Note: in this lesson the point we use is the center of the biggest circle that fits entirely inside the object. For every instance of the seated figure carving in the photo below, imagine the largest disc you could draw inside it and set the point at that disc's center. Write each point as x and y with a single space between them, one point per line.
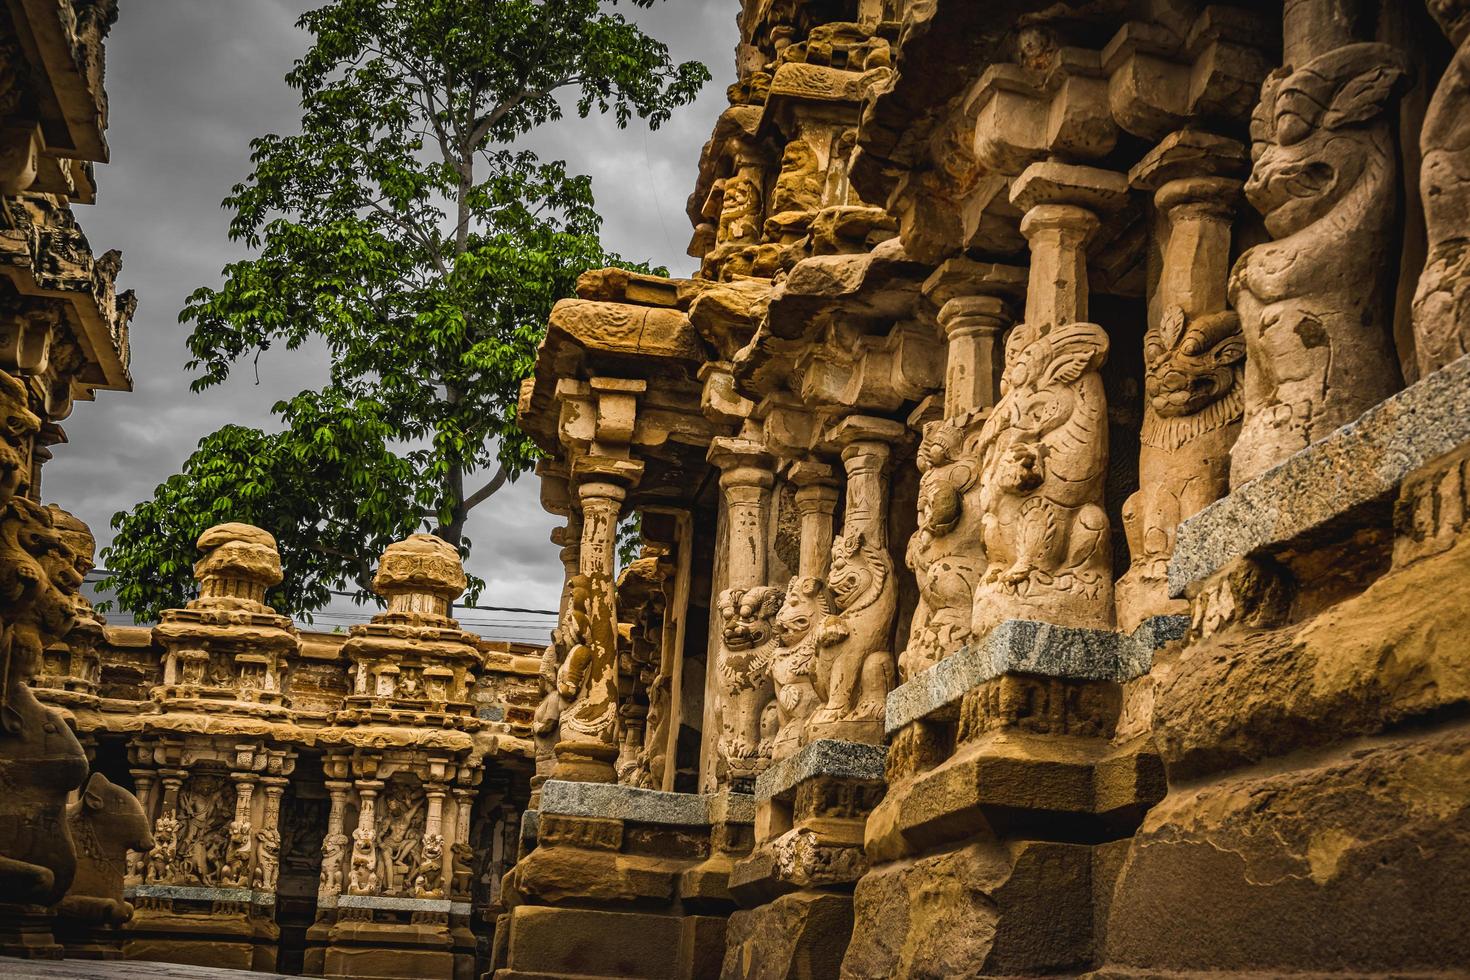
1044 452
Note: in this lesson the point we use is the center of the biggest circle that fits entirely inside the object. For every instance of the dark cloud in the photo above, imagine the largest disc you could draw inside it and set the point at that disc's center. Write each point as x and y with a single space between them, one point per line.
191 84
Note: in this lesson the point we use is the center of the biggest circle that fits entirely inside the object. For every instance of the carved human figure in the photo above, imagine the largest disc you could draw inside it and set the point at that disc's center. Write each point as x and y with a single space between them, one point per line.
109 826
855 667
1442 300
740 212
403 820
204 818
944 552
163 857
1313 302
794 661
267 860
747 640
1044 459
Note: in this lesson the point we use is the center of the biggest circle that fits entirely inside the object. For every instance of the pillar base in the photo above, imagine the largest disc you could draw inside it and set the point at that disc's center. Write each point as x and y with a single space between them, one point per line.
364 949
25 931
655 864
796 885
585 762
1009 806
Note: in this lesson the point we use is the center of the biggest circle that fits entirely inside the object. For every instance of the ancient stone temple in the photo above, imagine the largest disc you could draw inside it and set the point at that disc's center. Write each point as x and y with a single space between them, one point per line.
64 826
1052 487
1052 494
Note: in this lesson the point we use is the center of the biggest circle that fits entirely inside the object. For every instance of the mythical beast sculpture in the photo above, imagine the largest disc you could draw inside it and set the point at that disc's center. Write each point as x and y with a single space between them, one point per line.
1044 457
748 637
1314 303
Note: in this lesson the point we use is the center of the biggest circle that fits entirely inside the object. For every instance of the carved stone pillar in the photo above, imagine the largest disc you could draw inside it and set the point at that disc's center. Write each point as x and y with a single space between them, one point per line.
740 687
816 501
1194 361
462 854
334 842
144 781
363 879
1047 540
746 480
858 643
589 675
973 328
268 838
244 794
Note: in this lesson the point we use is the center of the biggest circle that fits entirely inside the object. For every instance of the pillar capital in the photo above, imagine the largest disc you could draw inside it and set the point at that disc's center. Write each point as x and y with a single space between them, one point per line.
605 476
742 462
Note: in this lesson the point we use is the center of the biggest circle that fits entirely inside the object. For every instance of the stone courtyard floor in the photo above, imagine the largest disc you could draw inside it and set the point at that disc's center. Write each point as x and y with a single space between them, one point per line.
14 969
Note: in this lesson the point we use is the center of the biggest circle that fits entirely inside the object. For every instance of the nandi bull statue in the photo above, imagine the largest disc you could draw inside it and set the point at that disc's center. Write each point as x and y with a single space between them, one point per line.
1314 303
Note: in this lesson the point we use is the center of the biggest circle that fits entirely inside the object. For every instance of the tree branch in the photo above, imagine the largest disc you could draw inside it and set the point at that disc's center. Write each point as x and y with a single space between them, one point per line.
488 490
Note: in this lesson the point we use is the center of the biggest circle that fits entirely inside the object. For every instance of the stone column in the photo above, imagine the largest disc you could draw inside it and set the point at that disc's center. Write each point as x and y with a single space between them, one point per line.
143 782
461 853
859 645
734 693
434 793
1194 361
1048 543
816 501
362 878
244 794
334 843
172 781
589 676
975 356
268 838
746 480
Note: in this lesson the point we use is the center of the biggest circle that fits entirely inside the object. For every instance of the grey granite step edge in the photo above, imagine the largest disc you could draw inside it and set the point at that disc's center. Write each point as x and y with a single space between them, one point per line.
1352 467
609 801
1020 646
824 757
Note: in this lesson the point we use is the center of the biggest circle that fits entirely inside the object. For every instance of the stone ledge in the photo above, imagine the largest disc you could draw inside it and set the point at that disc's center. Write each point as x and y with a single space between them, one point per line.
200 893
1356 466
612 802
390 903
824 757
1019 646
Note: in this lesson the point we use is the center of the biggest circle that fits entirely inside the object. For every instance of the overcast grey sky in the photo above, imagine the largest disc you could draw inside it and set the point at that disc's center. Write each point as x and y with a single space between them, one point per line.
191 82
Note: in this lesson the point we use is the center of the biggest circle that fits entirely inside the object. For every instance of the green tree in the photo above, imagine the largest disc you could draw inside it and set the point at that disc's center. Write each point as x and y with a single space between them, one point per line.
406 228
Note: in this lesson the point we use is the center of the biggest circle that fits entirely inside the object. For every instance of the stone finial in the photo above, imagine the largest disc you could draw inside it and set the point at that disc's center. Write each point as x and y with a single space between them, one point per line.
420 574
240 562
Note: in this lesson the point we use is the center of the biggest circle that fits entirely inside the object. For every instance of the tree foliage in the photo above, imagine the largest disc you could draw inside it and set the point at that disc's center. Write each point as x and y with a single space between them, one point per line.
406 228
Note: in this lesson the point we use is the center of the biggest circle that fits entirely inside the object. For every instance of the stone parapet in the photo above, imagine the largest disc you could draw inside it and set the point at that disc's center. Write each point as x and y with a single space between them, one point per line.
1330 484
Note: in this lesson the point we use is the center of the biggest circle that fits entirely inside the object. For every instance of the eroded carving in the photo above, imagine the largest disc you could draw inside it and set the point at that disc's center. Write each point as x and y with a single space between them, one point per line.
748 640
1044 452
1313 302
